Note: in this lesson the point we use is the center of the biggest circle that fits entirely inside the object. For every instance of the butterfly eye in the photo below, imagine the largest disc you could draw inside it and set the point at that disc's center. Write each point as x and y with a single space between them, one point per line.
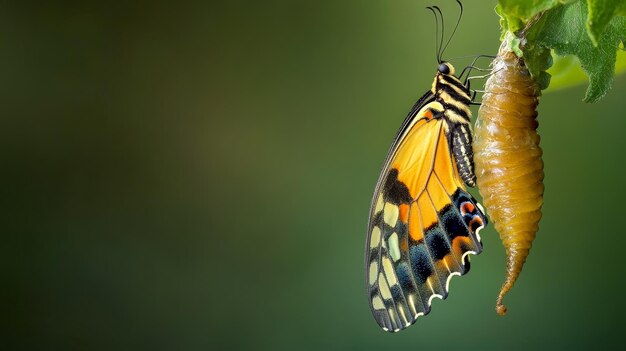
444 68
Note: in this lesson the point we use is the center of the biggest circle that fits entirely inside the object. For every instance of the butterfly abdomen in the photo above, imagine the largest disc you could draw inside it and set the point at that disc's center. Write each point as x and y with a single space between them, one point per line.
509 168
464 155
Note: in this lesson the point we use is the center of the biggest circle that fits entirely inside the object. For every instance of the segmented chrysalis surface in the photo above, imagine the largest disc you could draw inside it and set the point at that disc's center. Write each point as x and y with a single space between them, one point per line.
507 156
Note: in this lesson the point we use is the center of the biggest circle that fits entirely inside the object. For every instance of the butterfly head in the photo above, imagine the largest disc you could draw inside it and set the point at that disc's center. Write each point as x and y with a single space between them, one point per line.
445 75
445 68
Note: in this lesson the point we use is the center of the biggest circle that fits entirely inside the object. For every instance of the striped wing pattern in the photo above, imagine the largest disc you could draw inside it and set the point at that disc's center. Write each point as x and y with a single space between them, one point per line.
423 224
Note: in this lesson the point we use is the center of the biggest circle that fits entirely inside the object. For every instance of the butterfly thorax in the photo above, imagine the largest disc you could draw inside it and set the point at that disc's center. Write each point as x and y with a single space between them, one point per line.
454 96
451 100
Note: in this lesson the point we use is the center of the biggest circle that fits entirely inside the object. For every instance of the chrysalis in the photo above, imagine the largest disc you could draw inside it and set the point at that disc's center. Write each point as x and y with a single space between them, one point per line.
509 169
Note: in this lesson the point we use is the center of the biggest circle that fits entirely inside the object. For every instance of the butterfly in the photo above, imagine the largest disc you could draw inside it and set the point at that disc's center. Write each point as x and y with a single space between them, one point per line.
423 223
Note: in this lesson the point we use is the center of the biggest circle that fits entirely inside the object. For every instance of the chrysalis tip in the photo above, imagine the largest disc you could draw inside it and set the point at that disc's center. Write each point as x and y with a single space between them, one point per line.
501 309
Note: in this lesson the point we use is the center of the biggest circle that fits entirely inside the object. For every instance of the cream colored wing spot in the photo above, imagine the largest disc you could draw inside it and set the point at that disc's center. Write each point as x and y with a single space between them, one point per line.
377 303
466 255
389 273
482 209
430 299
478 233
394 247
384 287
373 272
391 213
375 237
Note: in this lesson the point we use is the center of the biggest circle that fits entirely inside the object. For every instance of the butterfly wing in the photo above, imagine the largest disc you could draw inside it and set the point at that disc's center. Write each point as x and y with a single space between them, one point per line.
423 222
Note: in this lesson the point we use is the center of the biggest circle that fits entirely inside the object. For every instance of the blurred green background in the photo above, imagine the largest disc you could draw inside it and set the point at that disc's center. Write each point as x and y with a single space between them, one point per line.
198 175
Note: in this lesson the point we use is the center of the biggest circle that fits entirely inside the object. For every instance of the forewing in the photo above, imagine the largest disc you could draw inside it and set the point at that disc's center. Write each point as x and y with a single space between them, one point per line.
423 224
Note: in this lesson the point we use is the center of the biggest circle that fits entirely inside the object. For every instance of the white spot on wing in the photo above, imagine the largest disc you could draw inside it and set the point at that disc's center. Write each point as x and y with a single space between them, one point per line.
377 303
375 237
391 214
450 278
478 232
373 272
466 255
384 288
394 248
480 207
430 299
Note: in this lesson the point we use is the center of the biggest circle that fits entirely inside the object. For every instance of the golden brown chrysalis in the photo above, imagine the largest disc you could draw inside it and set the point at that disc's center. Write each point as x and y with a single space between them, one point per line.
507 156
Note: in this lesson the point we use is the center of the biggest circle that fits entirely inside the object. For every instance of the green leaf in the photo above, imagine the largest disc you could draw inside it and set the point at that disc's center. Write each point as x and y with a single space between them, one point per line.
566 71
564 31
600 14
591 31
525 9
515 14
538 61
509 21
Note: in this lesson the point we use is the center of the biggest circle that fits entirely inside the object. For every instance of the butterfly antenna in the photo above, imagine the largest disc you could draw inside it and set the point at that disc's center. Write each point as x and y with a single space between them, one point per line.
443 31
455 27
436 33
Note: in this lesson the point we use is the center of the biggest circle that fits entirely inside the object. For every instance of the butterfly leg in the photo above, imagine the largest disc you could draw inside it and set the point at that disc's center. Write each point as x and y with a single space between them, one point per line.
468 79
471 66
468 70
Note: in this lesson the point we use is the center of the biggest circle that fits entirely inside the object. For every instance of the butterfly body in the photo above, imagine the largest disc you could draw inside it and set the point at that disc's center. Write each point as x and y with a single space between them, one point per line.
455 99
423 222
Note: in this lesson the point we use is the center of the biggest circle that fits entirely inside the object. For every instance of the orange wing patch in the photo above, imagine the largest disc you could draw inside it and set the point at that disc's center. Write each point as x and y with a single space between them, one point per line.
415 156
415 223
